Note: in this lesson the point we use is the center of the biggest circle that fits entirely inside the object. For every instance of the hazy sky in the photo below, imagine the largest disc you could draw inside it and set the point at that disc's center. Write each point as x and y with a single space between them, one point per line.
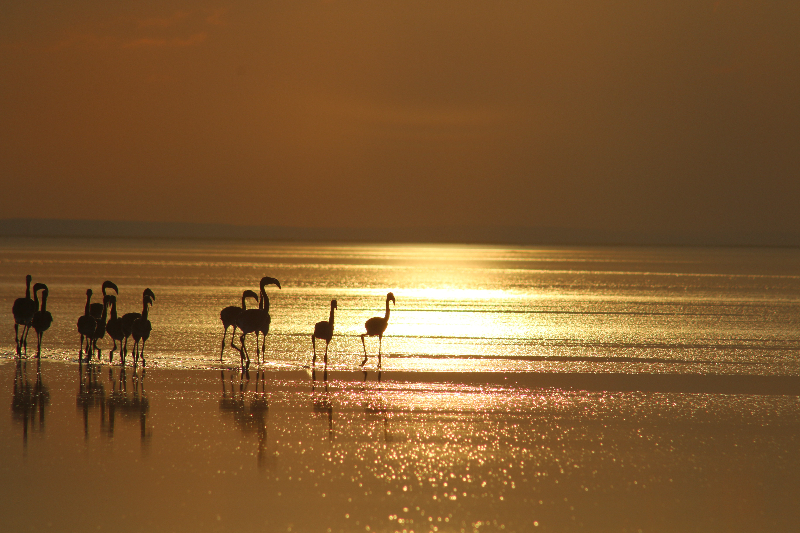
613 115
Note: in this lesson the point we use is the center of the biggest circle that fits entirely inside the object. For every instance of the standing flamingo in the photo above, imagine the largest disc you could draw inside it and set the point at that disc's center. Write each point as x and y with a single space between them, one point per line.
129 318
229 314
99 312
263 305
41 320
254 321
376 326
87 325
114 329
23 310
141 332
323 330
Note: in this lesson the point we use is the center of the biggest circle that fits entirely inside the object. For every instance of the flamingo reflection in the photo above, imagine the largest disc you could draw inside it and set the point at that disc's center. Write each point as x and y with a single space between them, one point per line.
29 400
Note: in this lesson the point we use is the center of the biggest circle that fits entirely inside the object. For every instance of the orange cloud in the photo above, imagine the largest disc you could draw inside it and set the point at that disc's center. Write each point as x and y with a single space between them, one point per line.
192 40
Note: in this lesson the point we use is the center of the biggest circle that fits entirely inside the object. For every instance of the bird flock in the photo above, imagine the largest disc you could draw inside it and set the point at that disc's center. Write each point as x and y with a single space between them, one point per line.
100 319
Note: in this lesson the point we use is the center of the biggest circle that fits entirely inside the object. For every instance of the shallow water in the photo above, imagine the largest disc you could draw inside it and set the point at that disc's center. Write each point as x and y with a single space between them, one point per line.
459 308
95 447
522 389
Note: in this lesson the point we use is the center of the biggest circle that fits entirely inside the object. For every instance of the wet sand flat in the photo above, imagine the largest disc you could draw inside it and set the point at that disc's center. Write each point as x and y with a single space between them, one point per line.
90 447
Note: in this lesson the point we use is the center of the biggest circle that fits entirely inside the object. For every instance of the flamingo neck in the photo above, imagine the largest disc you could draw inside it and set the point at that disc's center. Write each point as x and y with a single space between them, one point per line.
28 288
44 301
244 301
36 300
88 303
331 318
387 309
113 310
144 312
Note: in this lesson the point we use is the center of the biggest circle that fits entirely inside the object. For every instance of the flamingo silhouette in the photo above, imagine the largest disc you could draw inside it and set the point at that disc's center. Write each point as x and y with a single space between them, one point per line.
229 314
323 330
114 329
263 305
23 310
254 321
98 311
87 325
41 319
375 327
129 318
140 330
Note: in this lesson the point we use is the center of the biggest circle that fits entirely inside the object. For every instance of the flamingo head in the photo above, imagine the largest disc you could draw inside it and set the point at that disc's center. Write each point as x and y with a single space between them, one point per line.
110 285
334 304
148 292
390 296
89 293
266 280
38 287
250 294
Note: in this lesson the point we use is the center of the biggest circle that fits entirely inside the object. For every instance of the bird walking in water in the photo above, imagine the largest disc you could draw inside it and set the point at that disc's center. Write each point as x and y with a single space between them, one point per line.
129 318
114 329
99 312
140 330
42 319
263 306
87 326
254 321
229 314
23 310
375 327
323 330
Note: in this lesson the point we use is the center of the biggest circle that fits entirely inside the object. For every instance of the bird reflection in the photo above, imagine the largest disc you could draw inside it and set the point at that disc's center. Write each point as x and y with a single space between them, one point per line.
250 417
29 400
91 394
321 400
114 399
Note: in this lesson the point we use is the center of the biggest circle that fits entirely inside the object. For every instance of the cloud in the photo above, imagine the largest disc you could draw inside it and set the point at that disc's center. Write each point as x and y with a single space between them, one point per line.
149 42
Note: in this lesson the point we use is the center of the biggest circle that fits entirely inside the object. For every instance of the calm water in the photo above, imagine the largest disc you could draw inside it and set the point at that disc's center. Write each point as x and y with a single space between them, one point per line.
651 310
522 389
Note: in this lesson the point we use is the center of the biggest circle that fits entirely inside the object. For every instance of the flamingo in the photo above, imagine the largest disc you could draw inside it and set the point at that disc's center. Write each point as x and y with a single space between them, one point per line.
263 305
229 314
86 324
41 319
323 330
254 321
100 325
140 329
375 327
114 329
23 310
129 318
98 311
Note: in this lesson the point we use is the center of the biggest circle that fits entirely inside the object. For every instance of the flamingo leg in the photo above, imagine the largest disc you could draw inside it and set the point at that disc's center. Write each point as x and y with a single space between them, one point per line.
380 341
222 351
314 350
80 352
365 350
39 345
141 352
326 357
16 337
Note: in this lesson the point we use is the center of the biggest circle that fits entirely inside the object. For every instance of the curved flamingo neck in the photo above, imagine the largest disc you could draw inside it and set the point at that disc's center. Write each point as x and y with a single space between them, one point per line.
44 301
387 310
113 309
36 300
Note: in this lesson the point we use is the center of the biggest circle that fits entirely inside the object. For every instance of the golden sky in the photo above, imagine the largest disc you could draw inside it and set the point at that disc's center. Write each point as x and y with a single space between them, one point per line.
621 115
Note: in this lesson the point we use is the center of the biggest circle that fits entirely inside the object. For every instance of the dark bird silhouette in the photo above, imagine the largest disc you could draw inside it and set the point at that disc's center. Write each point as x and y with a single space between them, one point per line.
254 321
323 330
87 326
100 325
140 330
42 319
375 327
114 329
229 314
98 311
129 318
23 310
263 305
